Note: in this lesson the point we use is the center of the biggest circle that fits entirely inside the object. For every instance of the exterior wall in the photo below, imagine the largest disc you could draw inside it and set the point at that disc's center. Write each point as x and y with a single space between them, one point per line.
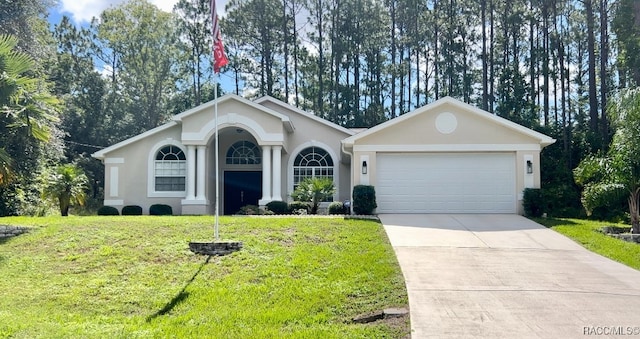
422 129
471 132
131 163
309 132
128 168
198 128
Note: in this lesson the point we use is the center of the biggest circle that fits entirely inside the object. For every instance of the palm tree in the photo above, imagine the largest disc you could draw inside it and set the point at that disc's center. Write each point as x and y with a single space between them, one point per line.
67 184
24 100
6 165
314 191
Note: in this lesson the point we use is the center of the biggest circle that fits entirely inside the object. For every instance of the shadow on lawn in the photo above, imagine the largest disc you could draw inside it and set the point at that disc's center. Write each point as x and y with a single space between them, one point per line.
551 222
180 297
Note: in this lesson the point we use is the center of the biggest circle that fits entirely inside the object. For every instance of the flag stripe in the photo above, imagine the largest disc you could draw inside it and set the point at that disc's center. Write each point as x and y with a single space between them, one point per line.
219 57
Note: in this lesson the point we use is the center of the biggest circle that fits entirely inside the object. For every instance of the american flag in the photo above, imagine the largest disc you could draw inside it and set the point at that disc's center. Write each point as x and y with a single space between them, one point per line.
219 57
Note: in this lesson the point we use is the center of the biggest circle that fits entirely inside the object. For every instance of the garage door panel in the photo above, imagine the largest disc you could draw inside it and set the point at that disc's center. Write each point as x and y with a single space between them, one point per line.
446 183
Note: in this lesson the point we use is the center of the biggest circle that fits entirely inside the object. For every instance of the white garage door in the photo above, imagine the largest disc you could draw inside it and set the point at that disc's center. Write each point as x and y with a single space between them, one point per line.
446 183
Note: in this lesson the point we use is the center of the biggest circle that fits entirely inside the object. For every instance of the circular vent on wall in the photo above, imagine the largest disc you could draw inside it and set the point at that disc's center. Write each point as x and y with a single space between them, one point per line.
446 123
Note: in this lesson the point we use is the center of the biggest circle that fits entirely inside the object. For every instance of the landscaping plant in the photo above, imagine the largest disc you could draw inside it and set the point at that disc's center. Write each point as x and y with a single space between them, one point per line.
314 191
66 184
605 176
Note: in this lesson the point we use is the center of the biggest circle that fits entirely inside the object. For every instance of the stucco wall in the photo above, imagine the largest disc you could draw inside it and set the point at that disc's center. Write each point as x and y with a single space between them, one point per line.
309 132
129 167
131 163
421 132
422 129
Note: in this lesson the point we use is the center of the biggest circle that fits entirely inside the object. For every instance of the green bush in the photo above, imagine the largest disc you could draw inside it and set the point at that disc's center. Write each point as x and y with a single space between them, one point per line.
295 206
336 207
108 210
249 210
314 191
278 207
533 202
364 199
160 209
132 210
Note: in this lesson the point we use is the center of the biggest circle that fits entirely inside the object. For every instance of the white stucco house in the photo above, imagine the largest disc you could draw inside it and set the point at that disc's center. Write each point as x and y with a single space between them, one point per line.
445 157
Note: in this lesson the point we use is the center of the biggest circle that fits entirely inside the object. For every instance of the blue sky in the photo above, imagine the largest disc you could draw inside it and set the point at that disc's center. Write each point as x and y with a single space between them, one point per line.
82 11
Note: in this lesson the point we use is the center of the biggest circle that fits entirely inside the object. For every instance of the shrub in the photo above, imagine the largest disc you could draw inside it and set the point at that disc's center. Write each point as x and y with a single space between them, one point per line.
108 210
364 199
132 210
296 206
533 202
336 207
278 207
160 209
249 210
314 191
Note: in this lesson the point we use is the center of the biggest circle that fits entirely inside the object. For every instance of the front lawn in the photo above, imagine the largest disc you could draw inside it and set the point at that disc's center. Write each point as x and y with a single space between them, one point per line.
134 277
586 233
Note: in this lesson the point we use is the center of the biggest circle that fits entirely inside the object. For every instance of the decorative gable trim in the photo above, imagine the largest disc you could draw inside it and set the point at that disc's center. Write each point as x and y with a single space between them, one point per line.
308 115
544 140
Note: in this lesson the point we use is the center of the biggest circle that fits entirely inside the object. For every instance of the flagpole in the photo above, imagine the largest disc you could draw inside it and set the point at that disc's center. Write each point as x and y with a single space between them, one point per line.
219 60
217 146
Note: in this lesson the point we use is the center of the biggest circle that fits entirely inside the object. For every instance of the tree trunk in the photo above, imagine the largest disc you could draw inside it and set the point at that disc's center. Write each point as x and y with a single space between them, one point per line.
485 85
634 202
63 200
393 58
593 99
604 60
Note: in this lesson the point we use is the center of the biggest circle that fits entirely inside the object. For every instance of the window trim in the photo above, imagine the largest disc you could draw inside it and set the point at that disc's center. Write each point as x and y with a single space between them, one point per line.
233 147
151 178
330 151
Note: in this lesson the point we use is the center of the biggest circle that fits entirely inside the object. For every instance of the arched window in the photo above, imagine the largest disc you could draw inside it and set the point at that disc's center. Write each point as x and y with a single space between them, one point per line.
244 153
170 169
312 162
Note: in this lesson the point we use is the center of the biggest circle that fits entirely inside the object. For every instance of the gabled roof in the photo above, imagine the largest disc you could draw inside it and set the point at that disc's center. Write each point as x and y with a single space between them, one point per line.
227 97
178 118
101 153
308 115
543 139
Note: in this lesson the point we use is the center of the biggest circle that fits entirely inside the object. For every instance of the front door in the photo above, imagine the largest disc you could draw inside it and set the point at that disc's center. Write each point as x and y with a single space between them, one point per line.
241 189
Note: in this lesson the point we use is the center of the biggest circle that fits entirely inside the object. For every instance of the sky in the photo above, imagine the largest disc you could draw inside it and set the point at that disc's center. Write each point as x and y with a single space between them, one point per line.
81 11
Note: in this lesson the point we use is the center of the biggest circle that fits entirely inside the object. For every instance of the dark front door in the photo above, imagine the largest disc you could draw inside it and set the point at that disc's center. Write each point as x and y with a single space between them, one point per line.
241 189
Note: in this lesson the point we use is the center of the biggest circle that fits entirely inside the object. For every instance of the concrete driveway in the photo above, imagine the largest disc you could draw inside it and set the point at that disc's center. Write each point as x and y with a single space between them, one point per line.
504 276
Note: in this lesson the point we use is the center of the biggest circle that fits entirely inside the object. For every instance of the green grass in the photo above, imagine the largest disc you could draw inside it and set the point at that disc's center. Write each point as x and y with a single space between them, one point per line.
585 232
134 277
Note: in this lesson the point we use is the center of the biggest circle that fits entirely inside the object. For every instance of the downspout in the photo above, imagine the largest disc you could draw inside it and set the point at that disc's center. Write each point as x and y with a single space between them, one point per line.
351 175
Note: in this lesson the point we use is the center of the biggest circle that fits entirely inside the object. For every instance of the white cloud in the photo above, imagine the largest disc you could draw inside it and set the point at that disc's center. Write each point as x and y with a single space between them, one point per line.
81 11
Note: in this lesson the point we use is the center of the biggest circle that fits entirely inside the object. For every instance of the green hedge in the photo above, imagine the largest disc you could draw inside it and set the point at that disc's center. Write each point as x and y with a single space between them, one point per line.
533 202
108 210
132 210
364 199
278 207
337 207
299 205
160 209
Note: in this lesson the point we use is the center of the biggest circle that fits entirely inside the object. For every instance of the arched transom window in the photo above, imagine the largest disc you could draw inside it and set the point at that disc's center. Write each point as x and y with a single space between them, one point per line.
244 153
312 162
170 169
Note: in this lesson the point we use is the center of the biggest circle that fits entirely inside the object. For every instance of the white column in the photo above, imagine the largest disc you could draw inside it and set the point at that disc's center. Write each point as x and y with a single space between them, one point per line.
277 172
200 173
266 175
191 172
